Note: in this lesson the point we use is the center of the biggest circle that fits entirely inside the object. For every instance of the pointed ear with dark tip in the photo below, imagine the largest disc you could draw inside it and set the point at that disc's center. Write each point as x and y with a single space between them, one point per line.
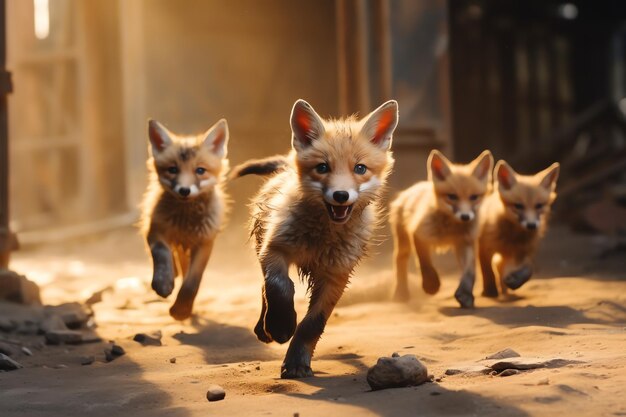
505 175
379 125
159 136
438 166
549 176
482 166
306 125
216 138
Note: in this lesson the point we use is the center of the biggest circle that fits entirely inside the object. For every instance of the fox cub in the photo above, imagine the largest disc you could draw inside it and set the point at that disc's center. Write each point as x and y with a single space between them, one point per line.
512 221
316 212
183 208
438 214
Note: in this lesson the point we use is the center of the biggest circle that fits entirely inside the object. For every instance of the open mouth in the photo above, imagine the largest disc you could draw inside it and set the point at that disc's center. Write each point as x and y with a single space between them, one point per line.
339 214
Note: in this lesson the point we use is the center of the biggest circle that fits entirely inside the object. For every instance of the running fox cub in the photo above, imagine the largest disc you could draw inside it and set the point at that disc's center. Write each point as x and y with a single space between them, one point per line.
316 212
440 213
183 208
512 221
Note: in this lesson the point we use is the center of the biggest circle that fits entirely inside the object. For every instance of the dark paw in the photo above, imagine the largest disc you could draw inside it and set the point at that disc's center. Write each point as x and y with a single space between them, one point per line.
280 317
163 280
260 332
464 297
296 368
491 292
518 278
430 281
181 310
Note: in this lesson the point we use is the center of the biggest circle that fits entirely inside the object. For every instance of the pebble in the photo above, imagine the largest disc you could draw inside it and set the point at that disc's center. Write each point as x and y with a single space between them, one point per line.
113 353
52 323
8 364
215 393
400 371
69 337
27 351
87 360
150 339
172 360
9 349
504 354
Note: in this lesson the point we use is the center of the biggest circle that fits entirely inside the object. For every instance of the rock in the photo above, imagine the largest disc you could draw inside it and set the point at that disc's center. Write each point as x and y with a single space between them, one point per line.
8 364
96 297
18 289
7 325
74 315
9 349
509 372
28 327
395 355
172 360
52 323
27 351
396 372
504 354
468 370
524 363
215 393
90 337
114 352
68 337
87 360
150 339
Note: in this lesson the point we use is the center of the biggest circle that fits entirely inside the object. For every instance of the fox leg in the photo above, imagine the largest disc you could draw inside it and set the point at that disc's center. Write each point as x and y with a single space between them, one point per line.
163 265
191 283
464 293
401 253
516 274
325 294
259 329
490 289
430 278
181 261
279 321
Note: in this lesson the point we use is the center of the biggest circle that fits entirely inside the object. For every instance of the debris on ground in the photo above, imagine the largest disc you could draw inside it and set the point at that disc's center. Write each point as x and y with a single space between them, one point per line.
504 354
8 364
149 339
67 337
397 371
87 360
114 352
215 393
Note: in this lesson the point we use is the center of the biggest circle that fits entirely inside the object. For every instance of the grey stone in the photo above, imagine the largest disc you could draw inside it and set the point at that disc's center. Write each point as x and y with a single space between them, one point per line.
215 393
9 349
504 354
74 315
468 370
69 337
113 353
524 363
27 351
52 323
396 372
8 364
149 339
87 360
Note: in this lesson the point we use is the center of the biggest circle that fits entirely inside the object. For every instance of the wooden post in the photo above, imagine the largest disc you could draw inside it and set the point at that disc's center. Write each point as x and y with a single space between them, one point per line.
8 242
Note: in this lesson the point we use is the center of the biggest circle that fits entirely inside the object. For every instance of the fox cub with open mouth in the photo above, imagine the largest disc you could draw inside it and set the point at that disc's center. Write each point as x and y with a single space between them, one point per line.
183 208
318 212
512 221
438 214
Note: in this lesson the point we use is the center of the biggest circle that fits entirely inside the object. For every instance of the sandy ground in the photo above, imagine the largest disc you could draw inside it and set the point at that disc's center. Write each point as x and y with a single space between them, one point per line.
575 308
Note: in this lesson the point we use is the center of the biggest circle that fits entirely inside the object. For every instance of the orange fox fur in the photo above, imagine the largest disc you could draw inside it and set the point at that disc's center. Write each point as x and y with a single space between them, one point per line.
512 221
440 213
183 208
316 212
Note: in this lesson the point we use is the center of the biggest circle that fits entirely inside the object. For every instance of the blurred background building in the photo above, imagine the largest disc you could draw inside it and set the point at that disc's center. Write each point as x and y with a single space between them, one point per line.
534 80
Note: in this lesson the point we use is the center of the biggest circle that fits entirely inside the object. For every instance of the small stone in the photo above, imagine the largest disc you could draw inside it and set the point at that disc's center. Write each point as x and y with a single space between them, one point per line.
117 350
435 393
52 323
74 315
8 364
504 354
395 355
468 370
9 349
544 381
90 337
215 393
27 351
258 368
524 363
87 360
172 360
68 337
509 372
402 371
150 339
60 366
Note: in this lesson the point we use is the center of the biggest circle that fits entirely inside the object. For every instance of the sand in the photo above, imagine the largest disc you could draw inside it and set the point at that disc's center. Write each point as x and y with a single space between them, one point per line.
575 308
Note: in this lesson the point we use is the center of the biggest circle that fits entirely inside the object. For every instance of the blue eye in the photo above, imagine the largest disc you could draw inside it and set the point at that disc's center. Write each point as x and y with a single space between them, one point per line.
453 197
172 170
200 170
518 206
322 168
360 169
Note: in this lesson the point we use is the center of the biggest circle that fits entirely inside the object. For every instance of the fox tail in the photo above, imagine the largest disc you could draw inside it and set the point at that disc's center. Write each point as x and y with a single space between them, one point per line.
265 166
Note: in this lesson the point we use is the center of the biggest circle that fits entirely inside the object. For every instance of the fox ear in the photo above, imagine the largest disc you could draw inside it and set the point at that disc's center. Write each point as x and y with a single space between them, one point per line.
306 125
159 136
549 176
379 125
505 175
438 166
216 138
482 166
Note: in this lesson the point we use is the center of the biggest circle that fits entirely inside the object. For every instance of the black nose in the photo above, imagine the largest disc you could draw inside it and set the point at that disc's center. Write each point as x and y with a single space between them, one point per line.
531 226
184 191
465 217
341 196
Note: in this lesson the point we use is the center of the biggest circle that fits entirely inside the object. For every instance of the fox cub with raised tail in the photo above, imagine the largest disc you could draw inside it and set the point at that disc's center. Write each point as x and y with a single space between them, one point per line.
183 208
440 213
512 221
317 212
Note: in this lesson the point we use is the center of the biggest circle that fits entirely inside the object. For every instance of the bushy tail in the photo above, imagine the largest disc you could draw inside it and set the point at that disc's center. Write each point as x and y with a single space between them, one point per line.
264 166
